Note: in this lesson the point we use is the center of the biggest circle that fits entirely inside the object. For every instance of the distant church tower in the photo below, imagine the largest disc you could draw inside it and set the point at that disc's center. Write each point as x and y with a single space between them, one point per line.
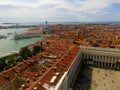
46 23
47 29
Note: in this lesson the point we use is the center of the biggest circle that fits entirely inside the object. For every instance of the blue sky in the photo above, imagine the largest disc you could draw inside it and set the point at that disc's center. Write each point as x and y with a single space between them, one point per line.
59 10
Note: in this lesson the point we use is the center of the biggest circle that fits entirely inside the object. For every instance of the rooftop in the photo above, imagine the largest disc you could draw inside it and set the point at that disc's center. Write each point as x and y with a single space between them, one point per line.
44 68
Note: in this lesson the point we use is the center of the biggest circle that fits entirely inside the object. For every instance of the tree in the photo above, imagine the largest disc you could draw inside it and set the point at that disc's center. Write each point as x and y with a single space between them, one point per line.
37 49
25 52
2 65
44 32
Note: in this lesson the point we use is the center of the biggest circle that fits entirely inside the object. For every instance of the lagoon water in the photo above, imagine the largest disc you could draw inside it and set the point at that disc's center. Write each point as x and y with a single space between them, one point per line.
8 44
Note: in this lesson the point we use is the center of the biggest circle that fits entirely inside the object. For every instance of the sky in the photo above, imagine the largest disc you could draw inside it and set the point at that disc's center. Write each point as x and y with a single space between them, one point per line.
59 10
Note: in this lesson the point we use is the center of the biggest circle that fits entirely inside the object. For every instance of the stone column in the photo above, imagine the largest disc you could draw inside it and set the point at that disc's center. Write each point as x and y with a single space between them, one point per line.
93 57
112 59
108 64
115 66
95 63
87 56
111 65
102 64
118 67
102 57
98 63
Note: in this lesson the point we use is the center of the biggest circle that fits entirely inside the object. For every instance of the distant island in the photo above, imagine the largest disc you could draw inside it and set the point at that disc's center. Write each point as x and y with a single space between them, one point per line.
10 23
18 26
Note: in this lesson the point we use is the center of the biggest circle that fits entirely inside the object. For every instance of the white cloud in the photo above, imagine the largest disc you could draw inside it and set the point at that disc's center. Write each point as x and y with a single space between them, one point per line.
27 3
56 9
